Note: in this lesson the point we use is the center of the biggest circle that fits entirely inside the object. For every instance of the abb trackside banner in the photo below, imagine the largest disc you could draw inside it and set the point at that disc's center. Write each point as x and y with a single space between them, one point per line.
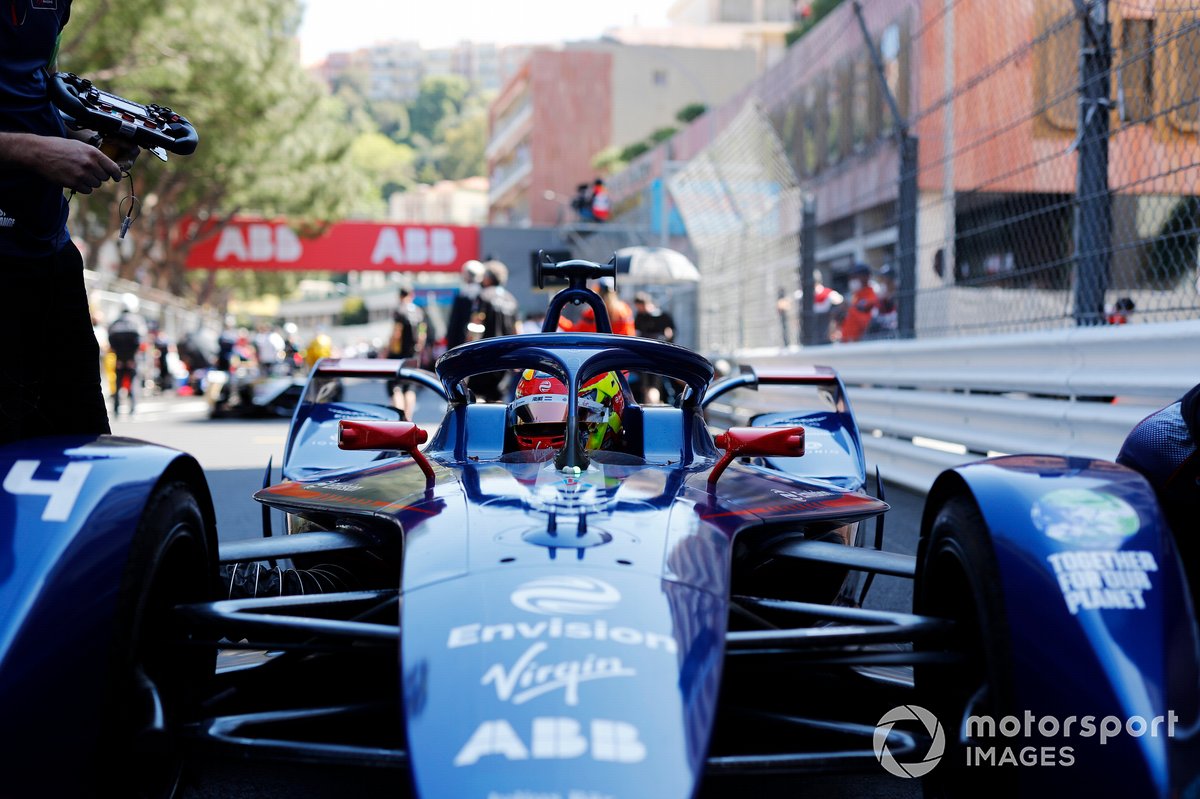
343 247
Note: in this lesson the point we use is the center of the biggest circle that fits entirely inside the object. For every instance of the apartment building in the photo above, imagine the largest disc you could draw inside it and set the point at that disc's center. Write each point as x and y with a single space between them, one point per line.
394 70
566 105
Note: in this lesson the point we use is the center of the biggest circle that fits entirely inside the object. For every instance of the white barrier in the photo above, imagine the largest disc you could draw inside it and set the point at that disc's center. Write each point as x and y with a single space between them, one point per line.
1048 391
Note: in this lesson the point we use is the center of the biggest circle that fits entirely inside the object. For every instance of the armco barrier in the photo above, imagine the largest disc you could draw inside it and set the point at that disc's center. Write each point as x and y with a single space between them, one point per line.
1066 392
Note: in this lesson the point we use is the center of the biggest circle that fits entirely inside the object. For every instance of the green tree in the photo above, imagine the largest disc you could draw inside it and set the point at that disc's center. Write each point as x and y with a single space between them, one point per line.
690 112
272 141
464 144
662 134
391 165
632 151
817 10
440 97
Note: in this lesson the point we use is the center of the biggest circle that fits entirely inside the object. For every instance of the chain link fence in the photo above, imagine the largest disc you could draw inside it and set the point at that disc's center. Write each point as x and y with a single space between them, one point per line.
1054 179
740 201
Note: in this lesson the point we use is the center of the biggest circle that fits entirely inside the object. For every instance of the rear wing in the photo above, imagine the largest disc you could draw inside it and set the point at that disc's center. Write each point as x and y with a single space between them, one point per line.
344 388
812 397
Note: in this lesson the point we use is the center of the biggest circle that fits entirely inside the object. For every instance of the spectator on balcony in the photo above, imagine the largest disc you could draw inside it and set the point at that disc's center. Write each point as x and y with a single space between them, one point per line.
601 203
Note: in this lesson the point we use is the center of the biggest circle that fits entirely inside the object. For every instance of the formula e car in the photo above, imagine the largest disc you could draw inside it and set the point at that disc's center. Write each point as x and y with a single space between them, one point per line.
631 615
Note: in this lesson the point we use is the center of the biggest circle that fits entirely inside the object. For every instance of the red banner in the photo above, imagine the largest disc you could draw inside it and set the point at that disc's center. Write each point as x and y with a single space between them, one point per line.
344 247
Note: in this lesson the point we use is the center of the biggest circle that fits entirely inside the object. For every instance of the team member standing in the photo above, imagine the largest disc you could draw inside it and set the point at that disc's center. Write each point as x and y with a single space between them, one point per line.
650 321
39 394
620 316
409 332
125 337
495 314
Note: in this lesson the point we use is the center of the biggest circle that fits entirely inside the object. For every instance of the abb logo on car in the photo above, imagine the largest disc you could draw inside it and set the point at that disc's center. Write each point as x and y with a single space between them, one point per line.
555 738
347 246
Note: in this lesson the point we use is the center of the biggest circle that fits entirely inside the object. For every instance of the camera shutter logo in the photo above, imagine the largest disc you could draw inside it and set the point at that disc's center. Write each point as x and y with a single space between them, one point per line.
933 729
574 595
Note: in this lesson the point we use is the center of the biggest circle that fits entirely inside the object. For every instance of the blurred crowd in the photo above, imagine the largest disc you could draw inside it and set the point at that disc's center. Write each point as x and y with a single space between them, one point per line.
868 312
139 359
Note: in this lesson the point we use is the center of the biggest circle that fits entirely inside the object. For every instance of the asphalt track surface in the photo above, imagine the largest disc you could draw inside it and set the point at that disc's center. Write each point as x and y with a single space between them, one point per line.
234 454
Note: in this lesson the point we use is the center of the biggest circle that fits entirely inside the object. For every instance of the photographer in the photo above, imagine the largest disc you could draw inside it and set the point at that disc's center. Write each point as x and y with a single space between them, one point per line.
50 385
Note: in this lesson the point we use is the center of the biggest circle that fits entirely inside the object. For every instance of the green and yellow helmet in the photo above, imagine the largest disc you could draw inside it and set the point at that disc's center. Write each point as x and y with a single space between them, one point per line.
539 411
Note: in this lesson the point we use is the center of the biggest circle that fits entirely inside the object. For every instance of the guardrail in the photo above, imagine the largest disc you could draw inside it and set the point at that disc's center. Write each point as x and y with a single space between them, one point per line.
926 405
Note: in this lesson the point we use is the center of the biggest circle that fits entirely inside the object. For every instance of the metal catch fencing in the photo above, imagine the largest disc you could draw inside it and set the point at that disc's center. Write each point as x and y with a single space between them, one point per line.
741 203
1037 166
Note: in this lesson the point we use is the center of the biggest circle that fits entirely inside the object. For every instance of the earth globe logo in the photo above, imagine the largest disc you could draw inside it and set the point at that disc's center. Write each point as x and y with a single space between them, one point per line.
909 714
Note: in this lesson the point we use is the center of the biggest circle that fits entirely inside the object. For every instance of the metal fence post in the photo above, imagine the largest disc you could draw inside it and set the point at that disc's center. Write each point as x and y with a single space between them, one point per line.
808 264
906 239
906 206
1093 202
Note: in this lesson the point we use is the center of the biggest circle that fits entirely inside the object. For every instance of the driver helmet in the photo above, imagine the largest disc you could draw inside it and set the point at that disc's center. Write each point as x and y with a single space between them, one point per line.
538 413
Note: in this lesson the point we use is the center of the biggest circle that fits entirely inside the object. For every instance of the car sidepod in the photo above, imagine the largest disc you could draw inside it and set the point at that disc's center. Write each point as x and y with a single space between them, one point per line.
68 510
1101 627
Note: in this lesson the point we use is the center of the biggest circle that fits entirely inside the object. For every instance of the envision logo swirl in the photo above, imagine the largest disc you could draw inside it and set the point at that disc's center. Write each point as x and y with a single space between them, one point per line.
553 596
933 729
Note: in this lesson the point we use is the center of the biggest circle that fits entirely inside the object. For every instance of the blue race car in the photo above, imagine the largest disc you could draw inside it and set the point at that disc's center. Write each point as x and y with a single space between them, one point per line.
573 595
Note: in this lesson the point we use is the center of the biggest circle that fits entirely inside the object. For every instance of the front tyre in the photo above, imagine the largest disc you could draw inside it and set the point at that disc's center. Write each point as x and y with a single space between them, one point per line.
156 676
958 579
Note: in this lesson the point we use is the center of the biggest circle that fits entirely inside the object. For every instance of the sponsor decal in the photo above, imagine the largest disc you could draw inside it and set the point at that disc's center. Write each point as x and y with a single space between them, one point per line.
6 220
1086 518
61 493
802 496
1091 580
922 765
544 386
556 628
575 595
333 487
554 738
527 678
272 244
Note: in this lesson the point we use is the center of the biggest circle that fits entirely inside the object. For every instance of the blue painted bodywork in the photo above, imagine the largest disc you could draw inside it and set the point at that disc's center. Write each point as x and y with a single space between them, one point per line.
336 390
1099 617
608 683
563 630
60 572
833 450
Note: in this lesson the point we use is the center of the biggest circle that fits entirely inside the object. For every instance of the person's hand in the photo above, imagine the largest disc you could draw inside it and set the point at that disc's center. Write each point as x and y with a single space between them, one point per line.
72 164
122 151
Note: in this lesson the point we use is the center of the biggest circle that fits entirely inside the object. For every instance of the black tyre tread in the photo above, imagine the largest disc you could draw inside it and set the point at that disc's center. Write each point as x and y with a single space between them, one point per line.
959 532
171 503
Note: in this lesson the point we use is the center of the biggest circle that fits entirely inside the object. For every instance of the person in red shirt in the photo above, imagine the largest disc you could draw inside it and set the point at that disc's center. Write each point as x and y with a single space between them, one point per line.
1121 311
601 203
863 305
619 312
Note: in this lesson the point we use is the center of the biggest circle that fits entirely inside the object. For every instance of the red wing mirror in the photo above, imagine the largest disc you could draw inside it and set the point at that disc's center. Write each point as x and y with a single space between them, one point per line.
749 442
405 436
